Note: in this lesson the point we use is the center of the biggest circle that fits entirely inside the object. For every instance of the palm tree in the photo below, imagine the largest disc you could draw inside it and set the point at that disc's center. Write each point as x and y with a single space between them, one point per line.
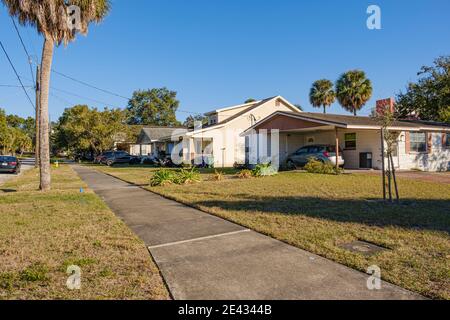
50 18
322 94
353 90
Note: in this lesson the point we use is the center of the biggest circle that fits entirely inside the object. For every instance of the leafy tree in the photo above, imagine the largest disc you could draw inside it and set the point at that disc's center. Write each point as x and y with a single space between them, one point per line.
13 134
429 98
190 121
250 100
322 94
155 107
50 19
299 107
84 130
353 90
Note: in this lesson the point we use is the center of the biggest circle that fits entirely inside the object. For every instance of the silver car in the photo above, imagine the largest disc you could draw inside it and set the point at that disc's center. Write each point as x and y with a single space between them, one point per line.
322 152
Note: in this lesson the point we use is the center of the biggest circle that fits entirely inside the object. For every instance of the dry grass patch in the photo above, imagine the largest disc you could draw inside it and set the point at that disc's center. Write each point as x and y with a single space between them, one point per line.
320 212
41 234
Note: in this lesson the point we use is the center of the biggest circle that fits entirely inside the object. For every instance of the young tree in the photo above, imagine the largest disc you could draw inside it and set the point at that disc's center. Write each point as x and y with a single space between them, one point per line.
50 17
153 107
322 94
353 90
429 98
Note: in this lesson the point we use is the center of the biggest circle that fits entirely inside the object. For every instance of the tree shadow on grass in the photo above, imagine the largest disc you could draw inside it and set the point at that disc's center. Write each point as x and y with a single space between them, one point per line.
409 213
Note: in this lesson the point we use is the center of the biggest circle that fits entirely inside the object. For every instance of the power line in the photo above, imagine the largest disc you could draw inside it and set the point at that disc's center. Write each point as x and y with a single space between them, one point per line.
17 75
89 85
13 86
30 61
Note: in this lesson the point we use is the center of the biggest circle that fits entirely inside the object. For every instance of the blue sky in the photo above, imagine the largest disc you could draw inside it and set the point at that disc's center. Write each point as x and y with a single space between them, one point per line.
217 53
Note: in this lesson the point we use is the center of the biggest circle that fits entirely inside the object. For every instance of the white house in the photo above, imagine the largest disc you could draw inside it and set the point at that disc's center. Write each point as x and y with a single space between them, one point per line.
221 141
420 145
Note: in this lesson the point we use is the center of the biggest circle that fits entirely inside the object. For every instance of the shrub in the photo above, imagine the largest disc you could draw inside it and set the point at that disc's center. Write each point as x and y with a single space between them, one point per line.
218 175
262 170
185 176
35 272
162 177
245 174
316 166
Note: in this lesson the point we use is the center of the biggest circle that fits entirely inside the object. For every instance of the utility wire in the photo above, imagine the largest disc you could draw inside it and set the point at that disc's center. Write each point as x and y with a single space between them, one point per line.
17 75
89 85
30 60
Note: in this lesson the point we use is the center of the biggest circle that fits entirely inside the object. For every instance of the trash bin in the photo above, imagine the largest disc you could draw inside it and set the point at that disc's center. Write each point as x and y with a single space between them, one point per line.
365 160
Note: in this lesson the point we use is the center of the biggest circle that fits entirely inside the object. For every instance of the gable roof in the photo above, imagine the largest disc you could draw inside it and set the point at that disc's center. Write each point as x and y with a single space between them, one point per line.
151 134
252 106
358 122
232 107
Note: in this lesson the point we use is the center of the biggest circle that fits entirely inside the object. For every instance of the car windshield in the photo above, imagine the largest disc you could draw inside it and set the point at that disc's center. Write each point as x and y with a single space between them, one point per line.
7 159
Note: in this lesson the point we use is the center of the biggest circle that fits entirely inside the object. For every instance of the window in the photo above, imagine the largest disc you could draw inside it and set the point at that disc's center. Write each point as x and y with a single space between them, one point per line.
447 140
350 141
418 142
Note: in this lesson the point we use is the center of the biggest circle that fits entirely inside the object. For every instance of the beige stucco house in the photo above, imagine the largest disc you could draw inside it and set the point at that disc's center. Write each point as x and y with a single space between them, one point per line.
221 142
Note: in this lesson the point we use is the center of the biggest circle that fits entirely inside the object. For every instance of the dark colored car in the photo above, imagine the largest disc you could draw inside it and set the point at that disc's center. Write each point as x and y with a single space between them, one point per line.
322 152
9 164
111 158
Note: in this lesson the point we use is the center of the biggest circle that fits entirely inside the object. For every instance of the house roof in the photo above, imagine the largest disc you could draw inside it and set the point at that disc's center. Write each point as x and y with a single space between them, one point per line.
358 122
251 106
232 107
151 134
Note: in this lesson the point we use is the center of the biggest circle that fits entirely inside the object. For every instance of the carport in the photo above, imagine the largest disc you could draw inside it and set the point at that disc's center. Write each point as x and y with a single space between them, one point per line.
296 131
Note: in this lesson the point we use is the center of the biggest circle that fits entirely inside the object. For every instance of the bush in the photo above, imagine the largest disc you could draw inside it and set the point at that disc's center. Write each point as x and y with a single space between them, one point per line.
262 170
316 166
185 176
162 177
245 174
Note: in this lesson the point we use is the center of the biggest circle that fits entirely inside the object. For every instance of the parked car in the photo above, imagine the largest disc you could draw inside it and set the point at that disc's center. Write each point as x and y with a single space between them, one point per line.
98 159
111 158
324 153
9 164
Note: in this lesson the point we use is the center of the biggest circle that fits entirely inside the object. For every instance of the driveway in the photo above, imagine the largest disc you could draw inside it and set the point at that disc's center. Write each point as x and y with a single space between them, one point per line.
204 257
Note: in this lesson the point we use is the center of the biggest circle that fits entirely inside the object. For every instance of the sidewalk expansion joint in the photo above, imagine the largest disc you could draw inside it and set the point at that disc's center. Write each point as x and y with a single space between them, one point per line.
197 239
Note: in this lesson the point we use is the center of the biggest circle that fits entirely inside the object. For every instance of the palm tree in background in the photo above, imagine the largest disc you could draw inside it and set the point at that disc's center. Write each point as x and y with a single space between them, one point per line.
51 19
353 90
322 94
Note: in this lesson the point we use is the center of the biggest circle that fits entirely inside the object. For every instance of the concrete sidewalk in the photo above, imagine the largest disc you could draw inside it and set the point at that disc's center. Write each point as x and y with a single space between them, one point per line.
205 257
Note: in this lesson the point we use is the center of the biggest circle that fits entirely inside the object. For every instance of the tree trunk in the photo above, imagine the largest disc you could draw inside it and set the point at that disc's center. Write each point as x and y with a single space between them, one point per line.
324 109
44 143
354 112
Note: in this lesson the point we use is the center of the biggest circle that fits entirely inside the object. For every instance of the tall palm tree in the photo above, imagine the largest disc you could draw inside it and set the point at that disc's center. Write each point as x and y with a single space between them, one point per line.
322 94
353 90
50 18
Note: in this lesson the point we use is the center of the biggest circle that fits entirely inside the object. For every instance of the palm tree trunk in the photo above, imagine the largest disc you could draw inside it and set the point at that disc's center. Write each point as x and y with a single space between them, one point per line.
46 67
324 109
354 112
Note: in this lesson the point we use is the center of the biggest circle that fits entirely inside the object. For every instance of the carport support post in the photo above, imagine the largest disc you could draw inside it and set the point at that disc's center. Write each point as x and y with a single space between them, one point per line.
337 150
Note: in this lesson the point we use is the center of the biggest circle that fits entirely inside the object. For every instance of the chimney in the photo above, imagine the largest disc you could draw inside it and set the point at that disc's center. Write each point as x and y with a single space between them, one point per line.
384 105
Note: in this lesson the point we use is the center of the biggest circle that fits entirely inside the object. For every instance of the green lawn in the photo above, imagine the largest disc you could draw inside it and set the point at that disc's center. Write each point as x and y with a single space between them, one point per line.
320 212
41 234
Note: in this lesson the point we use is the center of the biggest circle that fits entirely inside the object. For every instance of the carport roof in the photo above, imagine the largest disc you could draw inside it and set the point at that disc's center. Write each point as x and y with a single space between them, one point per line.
356 122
